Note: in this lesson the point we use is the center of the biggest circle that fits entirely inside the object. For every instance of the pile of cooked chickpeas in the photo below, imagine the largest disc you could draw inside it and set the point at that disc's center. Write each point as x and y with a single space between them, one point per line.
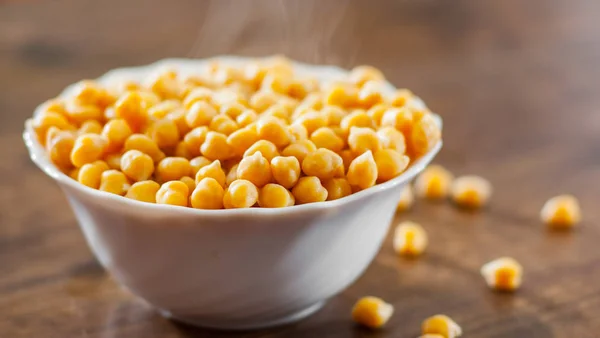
236 137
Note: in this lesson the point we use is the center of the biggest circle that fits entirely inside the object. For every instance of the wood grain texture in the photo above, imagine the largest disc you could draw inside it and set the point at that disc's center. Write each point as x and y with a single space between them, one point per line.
516 82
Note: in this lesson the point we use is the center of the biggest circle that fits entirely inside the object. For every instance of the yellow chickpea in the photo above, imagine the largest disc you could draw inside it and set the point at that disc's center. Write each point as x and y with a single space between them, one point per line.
275 82
334 114
144 144
164 108
561 212
173 193
172 169
215 147
362 173
342 95
337 188
114 181
299 149
279 111
372 312
324 164
164 133
208 194
116 133
200 94
362 74
400 118
200 114
361 140
256 169
400 98
347 156
240 194
442 325
262 100
89 92
312 120
298 132
285 170
471 191
425 135
376 113
199 162
90 127
434 182
391 138
212 170
113 160
132 108
137 165
190 182
274 130
143 191
242 139
390 164
503 274
87 149
410 239
247 117
41 123
357 118
299 88
194 139
370 94
223 124
324 137
275 196
178 117
266 148
181 150
79 113
60 147
309 190
90 174
232 109
166 85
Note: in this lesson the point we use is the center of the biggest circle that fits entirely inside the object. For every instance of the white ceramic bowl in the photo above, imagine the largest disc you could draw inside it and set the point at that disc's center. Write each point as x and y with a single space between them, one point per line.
232 269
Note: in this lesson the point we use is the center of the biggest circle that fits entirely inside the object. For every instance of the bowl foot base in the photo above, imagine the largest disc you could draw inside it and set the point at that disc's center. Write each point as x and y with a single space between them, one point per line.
237 326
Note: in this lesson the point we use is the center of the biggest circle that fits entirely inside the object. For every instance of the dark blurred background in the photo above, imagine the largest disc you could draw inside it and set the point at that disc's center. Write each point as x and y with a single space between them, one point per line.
515 81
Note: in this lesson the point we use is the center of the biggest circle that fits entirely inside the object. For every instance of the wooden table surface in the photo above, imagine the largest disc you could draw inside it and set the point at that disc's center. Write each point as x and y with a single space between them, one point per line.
517 83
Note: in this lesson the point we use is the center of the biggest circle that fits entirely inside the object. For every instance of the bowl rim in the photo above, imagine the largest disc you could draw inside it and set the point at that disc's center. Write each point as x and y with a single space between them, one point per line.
39 156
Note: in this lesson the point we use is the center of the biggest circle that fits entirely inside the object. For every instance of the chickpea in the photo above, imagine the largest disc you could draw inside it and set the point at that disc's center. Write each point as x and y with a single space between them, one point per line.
132 107
390 164
299 149
90 174
60 147
256 169
390 138
441 324
208 194
337 188
324 137
215 147
116 133
503 274
173 193
274 130
312 120
137 165
143 191
212 170
410 239
199 162
471 191
400 98
242 139
90 127
425 135
372 312
240 194
247 117
285 170
324 164
223 124
194 138
561 212
200 114
114 181
144 144
434 182
363 171
275 196
309 190
362 139
173 168
87 149
363 74
357 118
266 148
